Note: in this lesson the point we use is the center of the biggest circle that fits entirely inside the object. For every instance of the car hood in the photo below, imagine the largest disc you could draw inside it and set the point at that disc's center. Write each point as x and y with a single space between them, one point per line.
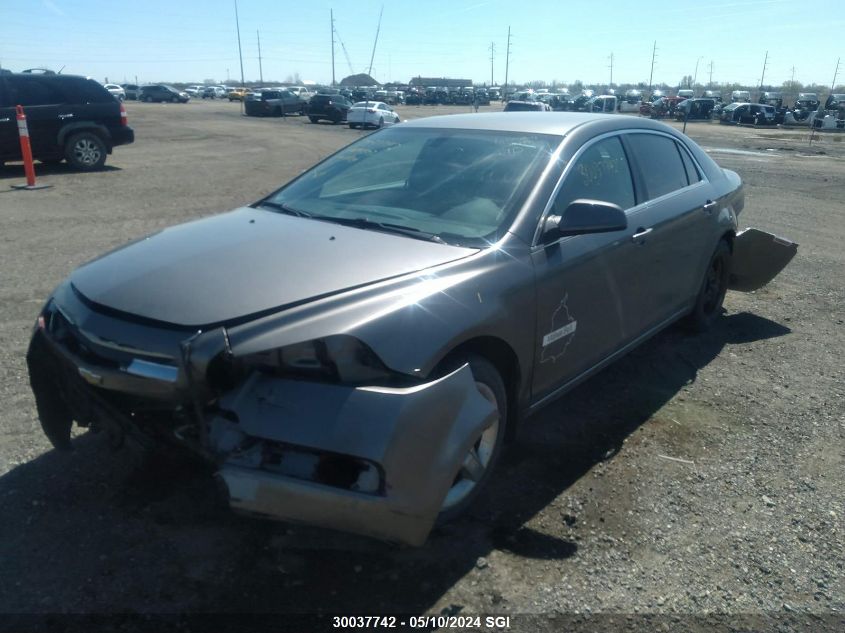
240 265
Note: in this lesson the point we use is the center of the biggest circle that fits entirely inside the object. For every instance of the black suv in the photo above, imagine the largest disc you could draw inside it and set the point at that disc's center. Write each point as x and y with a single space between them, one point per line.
68 117
331 107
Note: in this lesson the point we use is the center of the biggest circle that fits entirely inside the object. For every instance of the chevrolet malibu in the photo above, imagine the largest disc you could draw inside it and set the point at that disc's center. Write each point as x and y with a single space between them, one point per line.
353 350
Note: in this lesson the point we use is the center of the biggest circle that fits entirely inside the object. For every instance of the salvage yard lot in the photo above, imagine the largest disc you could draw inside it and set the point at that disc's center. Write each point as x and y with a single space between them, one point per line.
698 474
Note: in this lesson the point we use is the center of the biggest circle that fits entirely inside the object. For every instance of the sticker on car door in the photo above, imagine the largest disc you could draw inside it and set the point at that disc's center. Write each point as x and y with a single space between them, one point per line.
557 340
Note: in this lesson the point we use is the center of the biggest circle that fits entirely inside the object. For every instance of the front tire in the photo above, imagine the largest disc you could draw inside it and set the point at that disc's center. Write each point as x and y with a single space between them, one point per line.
708 303
482 457
85 151
313 119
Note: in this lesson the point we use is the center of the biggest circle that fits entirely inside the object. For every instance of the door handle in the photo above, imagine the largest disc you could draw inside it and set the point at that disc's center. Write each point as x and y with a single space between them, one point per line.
641 233
66 116
709 206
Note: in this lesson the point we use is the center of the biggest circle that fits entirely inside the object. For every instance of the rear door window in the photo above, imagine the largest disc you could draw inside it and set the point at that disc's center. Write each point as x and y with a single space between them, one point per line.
659 163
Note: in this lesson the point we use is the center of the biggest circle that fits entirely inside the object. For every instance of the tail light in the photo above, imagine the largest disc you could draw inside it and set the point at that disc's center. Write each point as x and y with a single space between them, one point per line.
123 119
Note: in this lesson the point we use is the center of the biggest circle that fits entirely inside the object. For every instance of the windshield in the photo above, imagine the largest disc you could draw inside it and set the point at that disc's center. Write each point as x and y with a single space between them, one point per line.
462 186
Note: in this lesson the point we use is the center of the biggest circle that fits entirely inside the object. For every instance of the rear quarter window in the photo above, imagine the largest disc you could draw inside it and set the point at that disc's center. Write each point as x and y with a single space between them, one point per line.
89 91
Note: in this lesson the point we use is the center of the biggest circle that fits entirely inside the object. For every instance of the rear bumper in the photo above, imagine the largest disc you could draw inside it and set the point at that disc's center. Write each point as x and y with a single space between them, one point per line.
123 135
758 257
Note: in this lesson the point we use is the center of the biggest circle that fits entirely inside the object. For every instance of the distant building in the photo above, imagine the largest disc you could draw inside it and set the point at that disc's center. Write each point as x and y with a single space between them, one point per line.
361 79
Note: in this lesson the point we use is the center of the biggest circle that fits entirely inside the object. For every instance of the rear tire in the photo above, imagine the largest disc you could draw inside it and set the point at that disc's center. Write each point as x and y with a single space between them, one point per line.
481 460
85 151
708 303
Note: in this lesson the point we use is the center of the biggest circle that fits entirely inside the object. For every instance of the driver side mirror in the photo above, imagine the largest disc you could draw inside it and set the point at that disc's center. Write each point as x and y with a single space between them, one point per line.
586 216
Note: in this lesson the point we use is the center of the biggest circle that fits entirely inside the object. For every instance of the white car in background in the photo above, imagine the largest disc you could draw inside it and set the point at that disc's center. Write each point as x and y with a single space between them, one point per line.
375 113
116 91
300 91
195 91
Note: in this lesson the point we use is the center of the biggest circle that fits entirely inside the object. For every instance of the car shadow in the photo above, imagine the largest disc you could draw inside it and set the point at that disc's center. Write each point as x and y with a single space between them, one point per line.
16 170
92 531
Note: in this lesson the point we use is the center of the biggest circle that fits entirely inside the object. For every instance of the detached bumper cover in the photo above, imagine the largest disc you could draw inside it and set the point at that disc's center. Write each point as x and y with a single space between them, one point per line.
417 436
757 258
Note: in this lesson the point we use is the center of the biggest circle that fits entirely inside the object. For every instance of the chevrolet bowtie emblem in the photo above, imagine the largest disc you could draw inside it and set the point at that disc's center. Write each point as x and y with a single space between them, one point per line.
90 377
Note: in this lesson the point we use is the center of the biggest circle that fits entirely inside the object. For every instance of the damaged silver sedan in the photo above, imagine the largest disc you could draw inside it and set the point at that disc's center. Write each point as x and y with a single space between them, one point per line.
353 350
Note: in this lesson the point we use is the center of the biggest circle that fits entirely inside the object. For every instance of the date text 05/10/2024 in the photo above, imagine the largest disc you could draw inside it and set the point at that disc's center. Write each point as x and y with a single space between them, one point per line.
496 622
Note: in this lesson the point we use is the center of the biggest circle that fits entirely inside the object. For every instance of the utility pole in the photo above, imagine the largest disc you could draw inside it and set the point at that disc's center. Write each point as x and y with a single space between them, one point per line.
710 83
695 74
331 14
651 74
240 53
507 65
611 71
378 28
835 73
260 69
492 54
763 75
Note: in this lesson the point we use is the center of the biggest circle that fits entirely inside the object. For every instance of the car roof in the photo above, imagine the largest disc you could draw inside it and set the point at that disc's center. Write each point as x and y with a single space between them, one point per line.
558 123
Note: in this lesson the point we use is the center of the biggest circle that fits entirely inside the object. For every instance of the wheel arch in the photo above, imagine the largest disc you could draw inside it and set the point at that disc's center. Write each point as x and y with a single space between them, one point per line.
86 126
504 359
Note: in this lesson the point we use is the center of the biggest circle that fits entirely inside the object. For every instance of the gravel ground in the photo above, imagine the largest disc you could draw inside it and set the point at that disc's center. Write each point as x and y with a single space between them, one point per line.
698 482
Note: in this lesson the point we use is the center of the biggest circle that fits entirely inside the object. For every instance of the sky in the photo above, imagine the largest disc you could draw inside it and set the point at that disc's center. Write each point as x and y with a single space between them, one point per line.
193 40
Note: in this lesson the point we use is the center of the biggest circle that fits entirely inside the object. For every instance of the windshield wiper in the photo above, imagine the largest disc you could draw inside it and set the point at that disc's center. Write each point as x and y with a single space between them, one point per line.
279 206
364 223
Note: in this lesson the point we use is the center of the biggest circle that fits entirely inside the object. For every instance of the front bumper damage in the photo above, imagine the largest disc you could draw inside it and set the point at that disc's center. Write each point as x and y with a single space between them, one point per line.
376 461
370 460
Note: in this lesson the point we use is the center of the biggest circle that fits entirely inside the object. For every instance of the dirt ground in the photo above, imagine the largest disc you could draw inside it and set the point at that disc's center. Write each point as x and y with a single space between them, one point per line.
697 477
